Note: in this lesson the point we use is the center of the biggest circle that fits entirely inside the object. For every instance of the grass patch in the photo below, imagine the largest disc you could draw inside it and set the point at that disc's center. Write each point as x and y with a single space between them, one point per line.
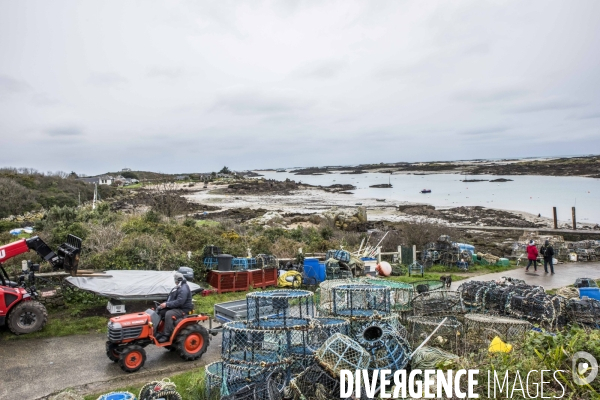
62 323
207 222
427 276
190 385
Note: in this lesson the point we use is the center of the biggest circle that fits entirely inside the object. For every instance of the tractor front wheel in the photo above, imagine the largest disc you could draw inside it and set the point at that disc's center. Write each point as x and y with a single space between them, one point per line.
192 342
132 358
111 352
27 317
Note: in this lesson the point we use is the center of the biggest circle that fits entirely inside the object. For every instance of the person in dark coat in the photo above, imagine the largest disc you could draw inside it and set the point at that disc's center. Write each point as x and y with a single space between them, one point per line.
532 255
548 252
178 304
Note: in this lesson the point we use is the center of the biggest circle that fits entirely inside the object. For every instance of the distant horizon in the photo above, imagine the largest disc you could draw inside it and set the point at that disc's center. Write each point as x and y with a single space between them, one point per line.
81 173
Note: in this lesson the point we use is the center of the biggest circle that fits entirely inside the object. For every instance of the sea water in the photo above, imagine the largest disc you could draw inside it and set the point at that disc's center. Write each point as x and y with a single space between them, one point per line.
530 193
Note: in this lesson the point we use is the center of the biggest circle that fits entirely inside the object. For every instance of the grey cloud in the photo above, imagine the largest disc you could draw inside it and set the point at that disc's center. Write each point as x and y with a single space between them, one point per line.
11 85
592 115
258 103
160 72
490 95
323 70
106 79
43 100
485 131
546 105
64 131
477 48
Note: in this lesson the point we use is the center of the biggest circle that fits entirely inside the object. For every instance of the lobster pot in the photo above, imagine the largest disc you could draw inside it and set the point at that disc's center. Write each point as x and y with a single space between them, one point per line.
441 302
342 255
427 286
393 353
495 298
539 307
482 329
401 294
280 309
369 332
325 294
300 363
315 383
361 300
471 293
325 327
249 346
341 352
335 271
449 335
235 382
219 374
584 311
266 261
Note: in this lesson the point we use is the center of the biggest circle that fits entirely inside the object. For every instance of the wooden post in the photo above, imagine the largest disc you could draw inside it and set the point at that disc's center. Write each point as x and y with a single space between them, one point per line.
414 253
399 254
574 220
555 220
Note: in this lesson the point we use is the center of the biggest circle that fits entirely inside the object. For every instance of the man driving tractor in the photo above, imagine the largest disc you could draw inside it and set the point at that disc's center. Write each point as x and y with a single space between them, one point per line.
178 304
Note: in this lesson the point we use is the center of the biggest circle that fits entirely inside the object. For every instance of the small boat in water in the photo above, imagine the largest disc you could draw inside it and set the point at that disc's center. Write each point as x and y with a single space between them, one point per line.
379 199
426 191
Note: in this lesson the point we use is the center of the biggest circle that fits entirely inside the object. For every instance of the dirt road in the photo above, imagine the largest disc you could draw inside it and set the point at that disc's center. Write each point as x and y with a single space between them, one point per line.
35 368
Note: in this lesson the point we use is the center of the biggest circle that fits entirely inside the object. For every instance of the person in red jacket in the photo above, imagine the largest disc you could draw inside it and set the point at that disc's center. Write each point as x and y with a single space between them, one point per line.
532 255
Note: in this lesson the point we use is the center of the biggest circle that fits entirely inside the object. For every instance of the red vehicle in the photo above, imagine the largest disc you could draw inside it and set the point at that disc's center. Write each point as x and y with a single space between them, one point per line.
19 307
129 334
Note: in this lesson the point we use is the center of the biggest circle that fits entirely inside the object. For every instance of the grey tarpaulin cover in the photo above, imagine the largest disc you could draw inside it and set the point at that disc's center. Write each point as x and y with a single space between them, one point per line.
130 285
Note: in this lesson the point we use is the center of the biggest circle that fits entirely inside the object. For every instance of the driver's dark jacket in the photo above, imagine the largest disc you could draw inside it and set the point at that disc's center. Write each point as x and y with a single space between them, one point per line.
181 298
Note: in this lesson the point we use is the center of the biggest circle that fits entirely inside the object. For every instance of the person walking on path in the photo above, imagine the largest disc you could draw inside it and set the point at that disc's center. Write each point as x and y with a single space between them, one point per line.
532 255
548 252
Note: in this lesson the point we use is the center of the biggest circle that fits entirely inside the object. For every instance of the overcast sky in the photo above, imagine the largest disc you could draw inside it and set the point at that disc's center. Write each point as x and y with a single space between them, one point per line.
184 86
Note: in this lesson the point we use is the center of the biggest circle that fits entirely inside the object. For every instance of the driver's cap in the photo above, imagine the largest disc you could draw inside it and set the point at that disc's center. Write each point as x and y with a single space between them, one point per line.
178 277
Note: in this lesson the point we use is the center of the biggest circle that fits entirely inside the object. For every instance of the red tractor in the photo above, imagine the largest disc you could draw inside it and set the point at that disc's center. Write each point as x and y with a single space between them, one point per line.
19 307
129 334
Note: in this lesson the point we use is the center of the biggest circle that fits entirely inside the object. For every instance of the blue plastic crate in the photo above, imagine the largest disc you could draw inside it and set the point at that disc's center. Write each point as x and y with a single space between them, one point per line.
240 263
210 262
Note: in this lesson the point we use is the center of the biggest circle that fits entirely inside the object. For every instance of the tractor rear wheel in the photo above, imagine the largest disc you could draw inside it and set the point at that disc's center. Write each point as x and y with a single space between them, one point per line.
132 358
111 352
27 317
192 342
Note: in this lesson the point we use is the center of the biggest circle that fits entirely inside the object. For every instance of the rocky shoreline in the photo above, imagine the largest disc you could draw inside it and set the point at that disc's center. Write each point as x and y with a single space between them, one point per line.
588 166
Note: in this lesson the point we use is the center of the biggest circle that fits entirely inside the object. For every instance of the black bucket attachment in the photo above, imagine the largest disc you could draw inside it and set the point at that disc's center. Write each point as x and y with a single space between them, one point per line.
70 252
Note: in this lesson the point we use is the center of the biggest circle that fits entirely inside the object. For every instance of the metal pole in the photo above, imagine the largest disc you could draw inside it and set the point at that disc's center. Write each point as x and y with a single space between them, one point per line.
574 220
555 220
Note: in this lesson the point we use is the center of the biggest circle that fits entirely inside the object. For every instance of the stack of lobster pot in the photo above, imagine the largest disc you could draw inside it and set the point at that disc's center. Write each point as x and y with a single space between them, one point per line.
277 340
372 323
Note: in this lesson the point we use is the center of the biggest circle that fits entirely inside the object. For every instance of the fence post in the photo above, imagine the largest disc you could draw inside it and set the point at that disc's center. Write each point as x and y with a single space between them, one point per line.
414 252
378 254
574 221
399 254
555 220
